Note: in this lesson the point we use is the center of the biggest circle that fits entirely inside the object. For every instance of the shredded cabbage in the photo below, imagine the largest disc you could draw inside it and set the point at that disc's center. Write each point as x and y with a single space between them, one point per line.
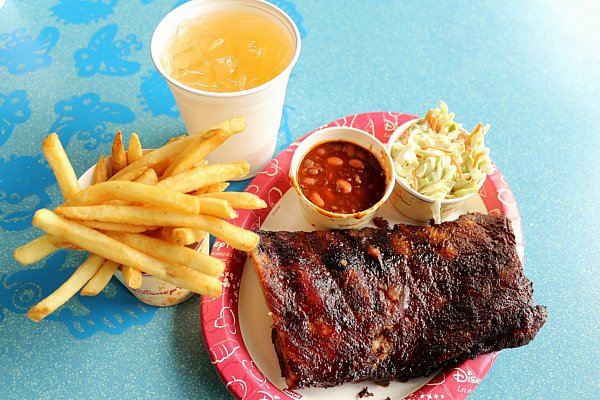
439 159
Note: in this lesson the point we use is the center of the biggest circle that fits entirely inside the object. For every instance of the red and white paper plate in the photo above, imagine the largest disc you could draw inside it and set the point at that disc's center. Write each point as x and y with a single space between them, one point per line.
237 329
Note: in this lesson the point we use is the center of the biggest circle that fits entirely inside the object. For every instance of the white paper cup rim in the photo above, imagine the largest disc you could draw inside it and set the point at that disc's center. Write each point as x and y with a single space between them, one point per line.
320 136
156 53
407 187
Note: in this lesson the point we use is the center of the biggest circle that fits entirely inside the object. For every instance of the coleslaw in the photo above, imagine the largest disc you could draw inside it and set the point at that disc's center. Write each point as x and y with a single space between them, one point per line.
439 159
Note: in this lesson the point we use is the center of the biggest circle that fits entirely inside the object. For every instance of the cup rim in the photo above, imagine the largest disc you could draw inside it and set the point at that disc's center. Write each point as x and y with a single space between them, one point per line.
397 132
379 153
277 11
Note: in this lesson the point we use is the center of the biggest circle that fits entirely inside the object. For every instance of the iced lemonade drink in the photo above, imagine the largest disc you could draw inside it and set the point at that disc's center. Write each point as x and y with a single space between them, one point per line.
228 51
229 58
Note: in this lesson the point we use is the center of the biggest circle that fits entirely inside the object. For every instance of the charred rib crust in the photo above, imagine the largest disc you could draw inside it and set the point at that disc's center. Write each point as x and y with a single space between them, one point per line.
383 304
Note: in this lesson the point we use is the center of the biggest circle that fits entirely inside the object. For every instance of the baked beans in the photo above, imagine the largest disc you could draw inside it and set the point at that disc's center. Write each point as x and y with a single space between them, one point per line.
341 177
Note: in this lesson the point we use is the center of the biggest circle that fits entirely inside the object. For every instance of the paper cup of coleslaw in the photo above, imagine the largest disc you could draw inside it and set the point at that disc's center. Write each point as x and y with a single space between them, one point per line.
422 208
153 291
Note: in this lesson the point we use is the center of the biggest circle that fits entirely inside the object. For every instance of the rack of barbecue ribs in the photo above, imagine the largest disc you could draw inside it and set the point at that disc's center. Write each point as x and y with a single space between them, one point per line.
396 303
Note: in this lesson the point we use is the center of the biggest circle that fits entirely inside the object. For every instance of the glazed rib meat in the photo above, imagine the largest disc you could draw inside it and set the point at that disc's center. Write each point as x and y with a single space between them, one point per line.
384 304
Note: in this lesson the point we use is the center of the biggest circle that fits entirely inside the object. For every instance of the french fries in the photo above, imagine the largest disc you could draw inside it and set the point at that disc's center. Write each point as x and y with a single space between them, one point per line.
60 165
156 157
171 252
247 201
36 249
211 174
115 226
132 276
118 161
67 290
140 213
139 193
103 245
183 236
236 237
134 150
217 187
100 172
148 178
99 281
217 135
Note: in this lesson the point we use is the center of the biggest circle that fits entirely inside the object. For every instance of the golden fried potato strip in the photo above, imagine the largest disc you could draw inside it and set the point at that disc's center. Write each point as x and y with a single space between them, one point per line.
135 192
100 279
67 290
190 156
118 160
153 158
109 248
147 178
170 252
192 179
60 165
134 150
36 249
236 237
243 200
100 172
183 236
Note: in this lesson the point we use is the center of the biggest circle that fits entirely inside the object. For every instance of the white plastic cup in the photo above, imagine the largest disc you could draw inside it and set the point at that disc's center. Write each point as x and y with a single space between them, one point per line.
262 106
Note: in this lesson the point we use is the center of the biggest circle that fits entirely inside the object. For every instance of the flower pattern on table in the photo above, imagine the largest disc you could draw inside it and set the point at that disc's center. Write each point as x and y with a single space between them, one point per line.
156 96
112 311
106 55
86 117
14 109
21 53
82 11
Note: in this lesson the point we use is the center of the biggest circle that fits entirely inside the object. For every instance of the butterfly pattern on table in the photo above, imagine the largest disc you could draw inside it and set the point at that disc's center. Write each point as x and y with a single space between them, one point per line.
106 55
156 96
24 182
112 311
290 9
21 53
86 117
285 132
82 11
14 109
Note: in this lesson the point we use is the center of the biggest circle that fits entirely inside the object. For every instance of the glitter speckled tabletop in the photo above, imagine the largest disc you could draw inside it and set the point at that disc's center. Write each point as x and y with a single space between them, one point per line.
82 68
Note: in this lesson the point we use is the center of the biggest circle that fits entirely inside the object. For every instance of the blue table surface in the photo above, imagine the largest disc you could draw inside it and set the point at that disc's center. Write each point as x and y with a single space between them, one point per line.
82 68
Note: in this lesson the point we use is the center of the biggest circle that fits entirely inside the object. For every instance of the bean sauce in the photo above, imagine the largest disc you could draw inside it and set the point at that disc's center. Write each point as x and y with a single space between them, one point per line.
341 177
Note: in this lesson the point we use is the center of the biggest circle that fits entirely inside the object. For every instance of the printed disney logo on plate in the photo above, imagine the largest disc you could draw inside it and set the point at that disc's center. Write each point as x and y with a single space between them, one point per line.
237 328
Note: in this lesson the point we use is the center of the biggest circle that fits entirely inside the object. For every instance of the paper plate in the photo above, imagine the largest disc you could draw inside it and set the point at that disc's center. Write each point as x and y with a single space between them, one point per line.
237 329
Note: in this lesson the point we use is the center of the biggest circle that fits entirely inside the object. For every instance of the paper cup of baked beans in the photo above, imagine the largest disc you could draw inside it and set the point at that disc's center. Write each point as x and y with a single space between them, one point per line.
342 176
